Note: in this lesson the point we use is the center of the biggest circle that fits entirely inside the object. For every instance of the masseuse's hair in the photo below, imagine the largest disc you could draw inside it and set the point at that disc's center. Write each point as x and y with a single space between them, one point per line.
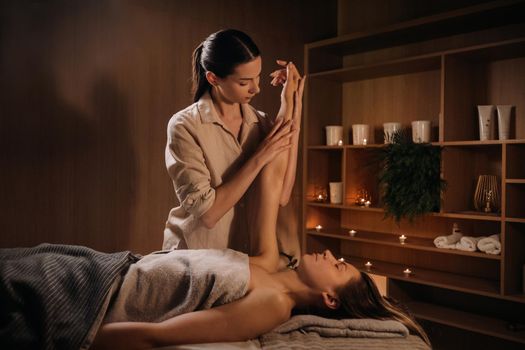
360 298
220 53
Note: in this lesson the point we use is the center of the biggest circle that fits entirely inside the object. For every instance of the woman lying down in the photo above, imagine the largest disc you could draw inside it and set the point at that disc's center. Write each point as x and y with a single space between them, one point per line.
73 297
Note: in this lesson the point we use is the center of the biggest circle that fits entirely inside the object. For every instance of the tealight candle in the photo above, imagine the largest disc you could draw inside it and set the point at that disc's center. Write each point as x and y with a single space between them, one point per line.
407 272
368 265
402 239
320 198
365 142
340 142
318 228
352 232
367 204
341 259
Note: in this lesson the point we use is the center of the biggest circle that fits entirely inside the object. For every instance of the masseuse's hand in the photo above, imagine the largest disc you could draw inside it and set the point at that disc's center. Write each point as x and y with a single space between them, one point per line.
277 141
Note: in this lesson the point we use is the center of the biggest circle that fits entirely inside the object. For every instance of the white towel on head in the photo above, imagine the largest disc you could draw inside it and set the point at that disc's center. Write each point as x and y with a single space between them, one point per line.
490 245
468 243
448 242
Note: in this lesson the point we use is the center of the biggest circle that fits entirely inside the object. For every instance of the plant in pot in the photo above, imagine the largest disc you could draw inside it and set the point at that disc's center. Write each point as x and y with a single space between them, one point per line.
410 178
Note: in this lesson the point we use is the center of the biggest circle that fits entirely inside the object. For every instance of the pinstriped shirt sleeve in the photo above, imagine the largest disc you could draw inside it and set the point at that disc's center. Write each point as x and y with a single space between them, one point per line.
187 168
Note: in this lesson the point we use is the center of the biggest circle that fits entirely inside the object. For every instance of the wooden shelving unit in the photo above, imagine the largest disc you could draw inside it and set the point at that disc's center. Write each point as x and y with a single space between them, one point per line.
444 86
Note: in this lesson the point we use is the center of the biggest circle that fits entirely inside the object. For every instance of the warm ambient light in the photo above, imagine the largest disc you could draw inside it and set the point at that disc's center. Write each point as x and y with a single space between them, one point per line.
367 204
402 239
352 232
318 228
340 142
368 265
407 272
365 142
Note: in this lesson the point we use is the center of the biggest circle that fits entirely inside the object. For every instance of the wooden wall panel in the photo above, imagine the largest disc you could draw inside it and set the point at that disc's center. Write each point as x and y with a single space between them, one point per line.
86 90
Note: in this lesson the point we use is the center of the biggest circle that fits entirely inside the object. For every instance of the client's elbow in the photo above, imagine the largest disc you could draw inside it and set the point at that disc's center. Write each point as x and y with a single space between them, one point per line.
284 200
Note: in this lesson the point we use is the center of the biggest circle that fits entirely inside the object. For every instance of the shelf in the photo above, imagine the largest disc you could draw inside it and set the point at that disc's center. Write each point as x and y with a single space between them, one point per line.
468 215
434 278
390 68
327 148
464 320
340 148
515 181
519 220
412 242
478 17
516 297
343 206
472 215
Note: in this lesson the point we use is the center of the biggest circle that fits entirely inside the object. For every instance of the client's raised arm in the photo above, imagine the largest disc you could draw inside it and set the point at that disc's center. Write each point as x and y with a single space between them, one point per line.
272 180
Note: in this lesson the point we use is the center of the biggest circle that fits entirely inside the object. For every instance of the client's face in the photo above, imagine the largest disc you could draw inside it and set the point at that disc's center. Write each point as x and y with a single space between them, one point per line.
324 272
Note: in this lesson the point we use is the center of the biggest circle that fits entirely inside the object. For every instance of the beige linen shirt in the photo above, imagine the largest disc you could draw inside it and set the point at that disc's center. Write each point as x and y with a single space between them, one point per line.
201 154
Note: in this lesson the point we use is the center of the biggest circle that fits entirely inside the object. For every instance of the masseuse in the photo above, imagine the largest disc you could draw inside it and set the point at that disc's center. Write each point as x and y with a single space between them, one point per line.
218 145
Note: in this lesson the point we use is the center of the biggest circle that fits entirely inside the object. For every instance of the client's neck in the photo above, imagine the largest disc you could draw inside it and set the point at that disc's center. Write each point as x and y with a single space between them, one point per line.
302 295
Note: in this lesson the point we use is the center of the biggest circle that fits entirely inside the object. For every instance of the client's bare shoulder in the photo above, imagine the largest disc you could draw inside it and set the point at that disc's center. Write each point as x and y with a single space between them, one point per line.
265 285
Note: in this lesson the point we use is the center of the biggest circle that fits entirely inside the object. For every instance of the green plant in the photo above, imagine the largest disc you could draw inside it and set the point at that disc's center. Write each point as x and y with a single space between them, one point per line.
410 178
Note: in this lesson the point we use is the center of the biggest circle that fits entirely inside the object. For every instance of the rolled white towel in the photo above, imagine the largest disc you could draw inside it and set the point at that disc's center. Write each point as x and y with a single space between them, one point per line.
468 243
490 245
448 242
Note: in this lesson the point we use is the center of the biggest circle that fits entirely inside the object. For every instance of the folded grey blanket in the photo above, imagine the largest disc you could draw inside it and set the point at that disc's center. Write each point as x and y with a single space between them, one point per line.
51 295
313 332
354 327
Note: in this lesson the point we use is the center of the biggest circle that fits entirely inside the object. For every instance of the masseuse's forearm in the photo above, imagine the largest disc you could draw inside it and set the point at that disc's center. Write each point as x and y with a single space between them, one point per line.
231 191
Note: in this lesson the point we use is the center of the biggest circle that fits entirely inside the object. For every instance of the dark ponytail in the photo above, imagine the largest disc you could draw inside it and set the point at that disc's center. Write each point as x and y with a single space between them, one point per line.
200 84
220 53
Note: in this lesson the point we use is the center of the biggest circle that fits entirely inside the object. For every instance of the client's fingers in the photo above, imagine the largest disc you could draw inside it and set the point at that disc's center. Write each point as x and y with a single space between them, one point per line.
281 62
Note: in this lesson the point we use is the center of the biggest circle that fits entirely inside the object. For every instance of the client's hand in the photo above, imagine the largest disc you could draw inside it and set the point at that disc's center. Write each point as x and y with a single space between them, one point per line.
289 77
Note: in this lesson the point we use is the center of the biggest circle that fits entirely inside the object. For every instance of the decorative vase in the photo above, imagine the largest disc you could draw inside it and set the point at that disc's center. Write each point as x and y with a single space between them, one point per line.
486 196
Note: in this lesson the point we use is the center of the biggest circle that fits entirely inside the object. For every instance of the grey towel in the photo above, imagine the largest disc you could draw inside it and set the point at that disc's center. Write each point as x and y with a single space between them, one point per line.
51 295
166 284
313 332
326 327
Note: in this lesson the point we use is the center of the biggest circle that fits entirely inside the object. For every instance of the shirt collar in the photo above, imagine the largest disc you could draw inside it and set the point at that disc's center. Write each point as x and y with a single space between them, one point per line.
209 114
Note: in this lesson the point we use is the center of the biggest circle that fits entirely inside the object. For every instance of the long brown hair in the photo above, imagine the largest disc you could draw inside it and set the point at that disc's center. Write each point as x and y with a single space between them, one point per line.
360 298
220 53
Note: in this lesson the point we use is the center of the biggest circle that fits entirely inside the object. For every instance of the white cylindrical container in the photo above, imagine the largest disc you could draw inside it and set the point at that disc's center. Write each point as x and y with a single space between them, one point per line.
336 192
334 134
389 129
486 122
421 131
361 134
504 121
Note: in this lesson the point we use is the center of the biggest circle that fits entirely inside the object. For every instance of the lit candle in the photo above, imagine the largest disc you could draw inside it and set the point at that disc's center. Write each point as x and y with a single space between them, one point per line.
318 228
320 198
341 259
352 232
367 203
402 239
362 201
368 265
340 142
407 272
364 142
